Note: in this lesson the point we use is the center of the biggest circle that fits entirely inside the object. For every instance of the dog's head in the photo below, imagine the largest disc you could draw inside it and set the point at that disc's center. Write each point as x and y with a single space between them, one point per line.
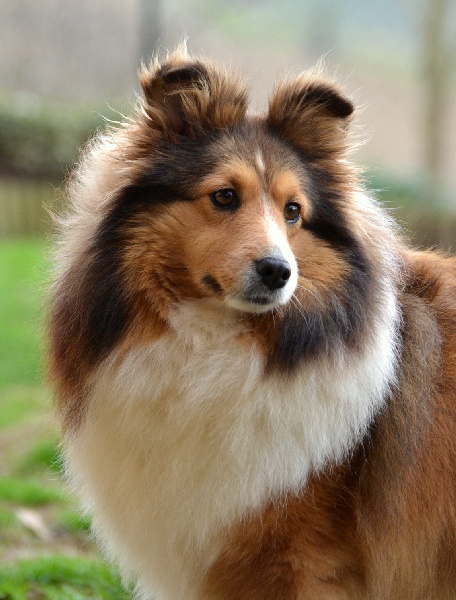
229 206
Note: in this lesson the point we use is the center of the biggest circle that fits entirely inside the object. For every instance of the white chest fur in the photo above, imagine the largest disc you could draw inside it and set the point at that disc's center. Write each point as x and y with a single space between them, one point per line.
186 435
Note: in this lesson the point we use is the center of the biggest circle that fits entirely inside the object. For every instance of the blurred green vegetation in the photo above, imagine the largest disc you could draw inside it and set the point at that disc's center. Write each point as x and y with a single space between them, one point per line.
59 578
41 139
424 216
22 274
27 491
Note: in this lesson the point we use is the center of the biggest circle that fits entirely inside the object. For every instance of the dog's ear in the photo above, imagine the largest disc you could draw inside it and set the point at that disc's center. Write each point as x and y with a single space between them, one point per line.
184 97
313 114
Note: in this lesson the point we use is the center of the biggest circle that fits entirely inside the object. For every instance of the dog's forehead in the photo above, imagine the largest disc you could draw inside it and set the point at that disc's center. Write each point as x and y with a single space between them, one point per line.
256 174
252 146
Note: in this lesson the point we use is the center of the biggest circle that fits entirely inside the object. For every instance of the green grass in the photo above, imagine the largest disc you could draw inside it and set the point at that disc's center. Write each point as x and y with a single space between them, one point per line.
28 492
44 455
22 275
74 522
7 518
59 578
21 403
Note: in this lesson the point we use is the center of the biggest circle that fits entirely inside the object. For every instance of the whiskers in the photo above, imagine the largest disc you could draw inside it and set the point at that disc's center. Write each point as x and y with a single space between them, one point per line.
307 290
278 311
297 304
281 311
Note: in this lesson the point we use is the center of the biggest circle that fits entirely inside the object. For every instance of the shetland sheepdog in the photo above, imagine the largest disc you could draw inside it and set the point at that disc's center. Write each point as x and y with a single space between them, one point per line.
255 375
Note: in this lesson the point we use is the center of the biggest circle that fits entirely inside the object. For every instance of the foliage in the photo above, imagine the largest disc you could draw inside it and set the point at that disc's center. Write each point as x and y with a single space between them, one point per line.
399 193
41 139
425 216
74 522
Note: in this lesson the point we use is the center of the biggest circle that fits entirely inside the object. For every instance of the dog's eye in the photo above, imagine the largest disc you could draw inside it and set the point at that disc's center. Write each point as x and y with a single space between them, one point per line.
226 199
292 212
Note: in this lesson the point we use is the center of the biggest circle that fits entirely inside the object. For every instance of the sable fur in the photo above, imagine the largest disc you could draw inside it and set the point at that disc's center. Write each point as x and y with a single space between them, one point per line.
295 443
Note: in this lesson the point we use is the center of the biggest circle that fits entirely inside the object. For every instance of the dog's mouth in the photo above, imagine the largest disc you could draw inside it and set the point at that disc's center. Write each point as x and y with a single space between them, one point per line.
254 303
261 300
254 297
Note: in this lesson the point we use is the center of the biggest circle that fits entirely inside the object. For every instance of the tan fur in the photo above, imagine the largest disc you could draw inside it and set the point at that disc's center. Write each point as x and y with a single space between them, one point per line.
204 98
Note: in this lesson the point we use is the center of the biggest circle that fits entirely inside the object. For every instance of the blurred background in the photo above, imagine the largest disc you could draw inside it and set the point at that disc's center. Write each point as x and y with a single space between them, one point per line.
67 66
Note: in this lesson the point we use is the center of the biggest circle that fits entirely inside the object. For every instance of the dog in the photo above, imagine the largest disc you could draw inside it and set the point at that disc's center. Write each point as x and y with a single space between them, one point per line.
254 373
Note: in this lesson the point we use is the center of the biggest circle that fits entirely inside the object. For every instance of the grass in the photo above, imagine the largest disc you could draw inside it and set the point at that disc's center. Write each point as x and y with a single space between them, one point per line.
74 522
21 403
28 492
59 578
46 551
45 454
22 275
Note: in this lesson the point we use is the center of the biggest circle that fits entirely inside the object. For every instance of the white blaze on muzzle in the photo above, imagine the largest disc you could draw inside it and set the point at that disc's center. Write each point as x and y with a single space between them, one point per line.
272 277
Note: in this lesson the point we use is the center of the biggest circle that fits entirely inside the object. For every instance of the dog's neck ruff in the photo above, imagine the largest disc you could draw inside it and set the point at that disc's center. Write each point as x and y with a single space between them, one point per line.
185 436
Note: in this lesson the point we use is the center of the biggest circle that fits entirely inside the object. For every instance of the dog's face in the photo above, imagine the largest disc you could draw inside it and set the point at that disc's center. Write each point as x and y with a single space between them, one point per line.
238 247
232 233
228 207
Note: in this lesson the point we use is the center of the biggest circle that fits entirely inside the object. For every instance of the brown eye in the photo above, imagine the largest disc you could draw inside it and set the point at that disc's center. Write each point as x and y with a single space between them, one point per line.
292 212
226 199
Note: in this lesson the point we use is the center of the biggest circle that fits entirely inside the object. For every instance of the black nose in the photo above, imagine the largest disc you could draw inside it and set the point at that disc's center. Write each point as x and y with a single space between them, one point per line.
274 272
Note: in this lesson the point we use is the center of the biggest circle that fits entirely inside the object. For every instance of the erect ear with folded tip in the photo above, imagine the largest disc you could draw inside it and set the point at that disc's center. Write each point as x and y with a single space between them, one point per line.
313 114
184 97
